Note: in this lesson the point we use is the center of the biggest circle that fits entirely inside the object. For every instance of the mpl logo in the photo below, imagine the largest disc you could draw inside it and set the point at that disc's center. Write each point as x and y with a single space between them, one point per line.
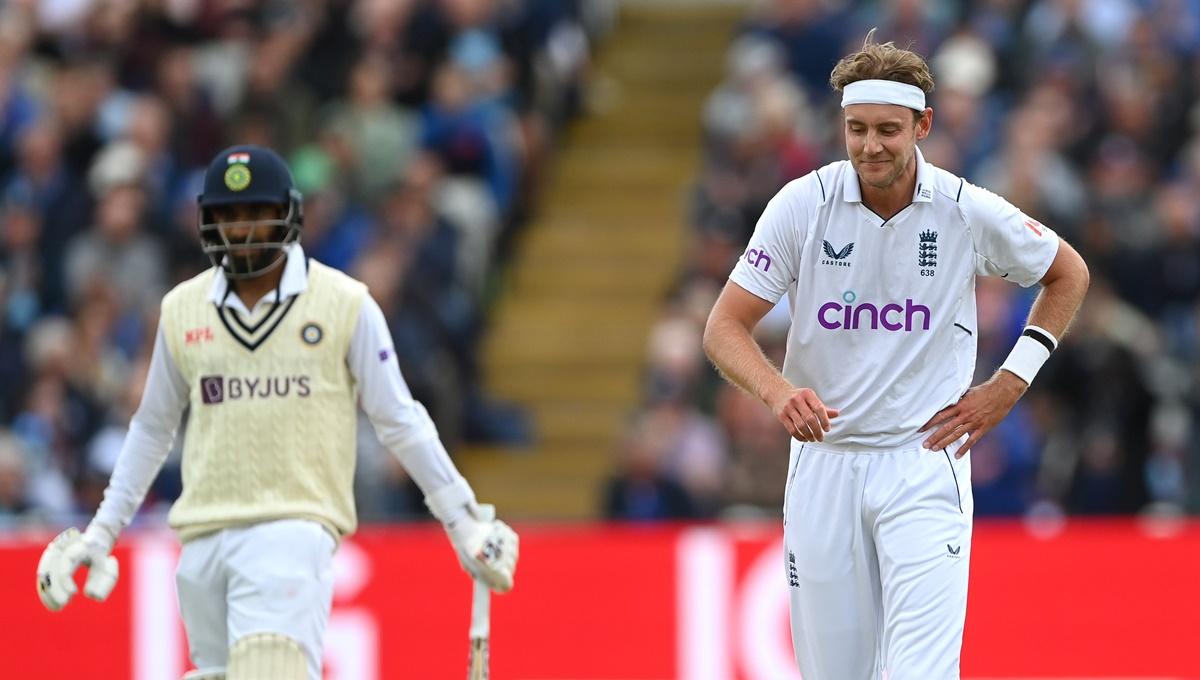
846 315
196 336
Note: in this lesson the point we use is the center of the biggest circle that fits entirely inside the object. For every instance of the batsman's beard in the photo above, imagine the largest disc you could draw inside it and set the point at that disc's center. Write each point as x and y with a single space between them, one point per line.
254 262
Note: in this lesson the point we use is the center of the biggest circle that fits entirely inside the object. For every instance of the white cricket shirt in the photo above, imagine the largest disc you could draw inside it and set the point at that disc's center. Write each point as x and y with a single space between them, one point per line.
883 312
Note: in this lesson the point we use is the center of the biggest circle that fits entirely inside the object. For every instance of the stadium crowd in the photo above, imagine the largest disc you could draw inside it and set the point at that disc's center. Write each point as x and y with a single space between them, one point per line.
415 129
1081 112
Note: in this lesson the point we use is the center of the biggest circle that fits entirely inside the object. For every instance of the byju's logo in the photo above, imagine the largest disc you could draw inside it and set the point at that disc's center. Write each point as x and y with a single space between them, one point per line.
892 317
836 258
758 258
212 389
215 389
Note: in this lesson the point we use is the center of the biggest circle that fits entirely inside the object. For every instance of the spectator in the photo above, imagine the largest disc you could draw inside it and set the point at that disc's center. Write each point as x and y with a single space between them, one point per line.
14 498
43 181
117 252
469 135
642 491
383 137
755 464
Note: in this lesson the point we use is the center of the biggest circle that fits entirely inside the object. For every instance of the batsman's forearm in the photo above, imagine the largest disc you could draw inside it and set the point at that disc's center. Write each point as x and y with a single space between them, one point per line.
141 457
426 461
151 433
401 423
741 360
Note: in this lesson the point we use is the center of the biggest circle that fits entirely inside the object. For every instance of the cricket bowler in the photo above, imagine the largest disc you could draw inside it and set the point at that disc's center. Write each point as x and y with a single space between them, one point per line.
878 256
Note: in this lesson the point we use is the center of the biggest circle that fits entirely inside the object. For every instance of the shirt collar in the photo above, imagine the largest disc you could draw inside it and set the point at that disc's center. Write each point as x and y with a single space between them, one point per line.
294 281
922 193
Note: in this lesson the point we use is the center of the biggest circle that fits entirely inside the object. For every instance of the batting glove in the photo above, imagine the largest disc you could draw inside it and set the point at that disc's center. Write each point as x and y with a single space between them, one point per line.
66 553
487 548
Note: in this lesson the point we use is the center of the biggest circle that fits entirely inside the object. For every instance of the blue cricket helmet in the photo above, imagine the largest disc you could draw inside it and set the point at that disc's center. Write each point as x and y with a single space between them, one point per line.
249 175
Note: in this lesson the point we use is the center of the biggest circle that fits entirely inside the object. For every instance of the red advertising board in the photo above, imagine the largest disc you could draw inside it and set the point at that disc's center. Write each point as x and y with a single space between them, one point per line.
1096 600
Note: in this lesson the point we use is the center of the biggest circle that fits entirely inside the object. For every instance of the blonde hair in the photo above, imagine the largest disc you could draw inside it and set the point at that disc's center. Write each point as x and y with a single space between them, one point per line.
882 61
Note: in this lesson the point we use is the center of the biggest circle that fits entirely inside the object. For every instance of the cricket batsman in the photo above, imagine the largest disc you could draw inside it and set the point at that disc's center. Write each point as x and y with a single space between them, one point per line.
270 351
878 256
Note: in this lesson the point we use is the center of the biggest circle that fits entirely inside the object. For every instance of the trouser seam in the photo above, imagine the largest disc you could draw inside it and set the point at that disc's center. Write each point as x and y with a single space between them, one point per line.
954 475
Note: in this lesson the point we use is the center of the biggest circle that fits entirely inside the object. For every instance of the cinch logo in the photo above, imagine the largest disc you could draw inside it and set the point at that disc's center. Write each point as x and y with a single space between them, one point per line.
215 389
892 317
759 259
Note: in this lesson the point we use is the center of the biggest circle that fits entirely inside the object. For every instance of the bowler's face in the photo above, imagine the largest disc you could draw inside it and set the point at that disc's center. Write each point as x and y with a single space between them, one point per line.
881 140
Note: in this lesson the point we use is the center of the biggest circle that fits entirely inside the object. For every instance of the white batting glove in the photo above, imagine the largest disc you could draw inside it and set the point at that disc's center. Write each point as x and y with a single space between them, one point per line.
66 553
487 548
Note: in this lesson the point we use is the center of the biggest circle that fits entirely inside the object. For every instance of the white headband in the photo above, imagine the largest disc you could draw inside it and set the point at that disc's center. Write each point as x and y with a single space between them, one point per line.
883 92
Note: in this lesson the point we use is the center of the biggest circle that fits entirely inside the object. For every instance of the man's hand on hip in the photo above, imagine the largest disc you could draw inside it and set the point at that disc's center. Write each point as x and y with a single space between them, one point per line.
977 412
803 414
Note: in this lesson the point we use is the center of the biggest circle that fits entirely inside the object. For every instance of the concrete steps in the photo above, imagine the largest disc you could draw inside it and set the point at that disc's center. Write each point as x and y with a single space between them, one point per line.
568 339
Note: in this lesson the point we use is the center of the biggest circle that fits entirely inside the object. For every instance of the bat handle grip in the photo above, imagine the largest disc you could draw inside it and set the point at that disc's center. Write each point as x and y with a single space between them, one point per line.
481 601
481 595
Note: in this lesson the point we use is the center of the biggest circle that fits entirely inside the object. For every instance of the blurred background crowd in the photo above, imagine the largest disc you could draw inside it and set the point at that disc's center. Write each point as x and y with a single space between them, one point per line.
1084 114
420 132
416 130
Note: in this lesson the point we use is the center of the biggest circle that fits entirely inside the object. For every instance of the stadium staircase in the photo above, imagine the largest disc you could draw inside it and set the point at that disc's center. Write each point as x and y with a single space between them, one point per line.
568 335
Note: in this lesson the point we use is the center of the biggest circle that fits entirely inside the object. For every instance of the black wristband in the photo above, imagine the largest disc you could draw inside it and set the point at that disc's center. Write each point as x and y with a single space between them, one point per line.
1040 336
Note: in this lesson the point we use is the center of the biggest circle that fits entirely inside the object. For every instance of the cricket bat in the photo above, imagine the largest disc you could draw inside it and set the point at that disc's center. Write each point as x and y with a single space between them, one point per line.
481 624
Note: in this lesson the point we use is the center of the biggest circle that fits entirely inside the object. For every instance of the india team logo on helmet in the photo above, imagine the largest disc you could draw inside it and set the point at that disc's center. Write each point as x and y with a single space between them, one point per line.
237 177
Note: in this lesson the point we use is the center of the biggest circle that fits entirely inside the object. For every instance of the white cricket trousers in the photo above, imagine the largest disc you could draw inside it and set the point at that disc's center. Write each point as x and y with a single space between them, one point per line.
876 549
271 577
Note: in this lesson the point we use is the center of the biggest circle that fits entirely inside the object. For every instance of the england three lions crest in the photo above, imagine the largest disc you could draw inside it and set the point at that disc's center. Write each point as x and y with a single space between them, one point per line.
927 249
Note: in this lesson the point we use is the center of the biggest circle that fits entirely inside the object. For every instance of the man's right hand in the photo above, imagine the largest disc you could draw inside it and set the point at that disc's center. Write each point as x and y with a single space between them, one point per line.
804 415
65 554
487 548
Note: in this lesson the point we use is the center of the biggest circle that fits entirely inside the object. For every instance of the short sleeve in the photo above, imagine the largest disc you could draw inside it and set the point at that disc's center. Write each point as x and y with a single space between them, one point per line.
772 258
1008 243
